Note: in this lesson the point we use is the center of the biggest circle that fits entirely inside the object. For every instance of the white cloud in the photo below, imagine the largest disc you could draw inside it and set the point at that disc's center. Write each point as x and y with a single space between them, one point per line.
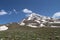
27 11
56 15
30 13
3 12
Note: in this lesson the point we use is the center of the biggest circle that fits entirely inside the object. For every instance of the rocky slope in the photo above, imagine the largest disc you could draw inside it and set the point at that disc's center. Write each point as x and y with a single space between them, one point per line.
36 20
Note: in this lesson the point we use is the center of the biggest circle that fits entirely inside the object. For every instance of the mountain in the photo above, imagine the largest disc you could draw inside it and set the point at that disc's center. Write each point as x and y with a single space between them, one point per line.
32 20
33 27
36 20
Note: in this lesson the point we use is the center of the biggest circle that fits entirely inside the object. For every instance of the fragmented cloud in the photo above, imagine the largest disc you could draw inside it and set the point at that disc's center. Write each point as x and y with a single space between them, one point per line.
15 11
10 12
56 15
3 12
27 11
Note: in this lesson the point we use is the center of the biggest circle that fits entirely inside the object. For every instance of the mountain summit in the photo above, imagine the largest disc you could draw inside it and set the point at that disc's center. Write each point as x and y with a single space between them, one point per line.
36 20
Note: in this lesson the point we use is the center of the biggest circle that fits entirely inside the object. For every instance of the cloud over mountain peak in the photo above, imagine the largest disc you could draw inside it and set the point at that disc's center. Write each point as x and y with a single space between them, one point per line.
3 12
27 11
56 15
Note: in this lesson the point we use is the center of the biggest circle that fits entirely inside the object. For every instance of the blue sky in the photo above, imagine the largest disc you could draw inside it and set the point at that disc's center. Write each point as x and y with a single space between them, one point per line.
11 10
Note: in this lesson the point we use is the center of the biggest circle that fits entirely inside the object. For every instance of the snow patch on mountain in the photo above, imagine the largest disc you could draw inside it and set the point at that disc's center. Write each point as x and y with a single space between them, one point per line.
35 20
42 25
3 28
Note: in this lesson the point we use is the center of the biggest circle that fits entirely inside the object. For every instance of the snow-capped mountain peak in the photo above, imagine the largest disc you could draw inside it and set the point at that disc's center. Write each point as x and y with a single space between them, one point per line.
34 16
35 20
